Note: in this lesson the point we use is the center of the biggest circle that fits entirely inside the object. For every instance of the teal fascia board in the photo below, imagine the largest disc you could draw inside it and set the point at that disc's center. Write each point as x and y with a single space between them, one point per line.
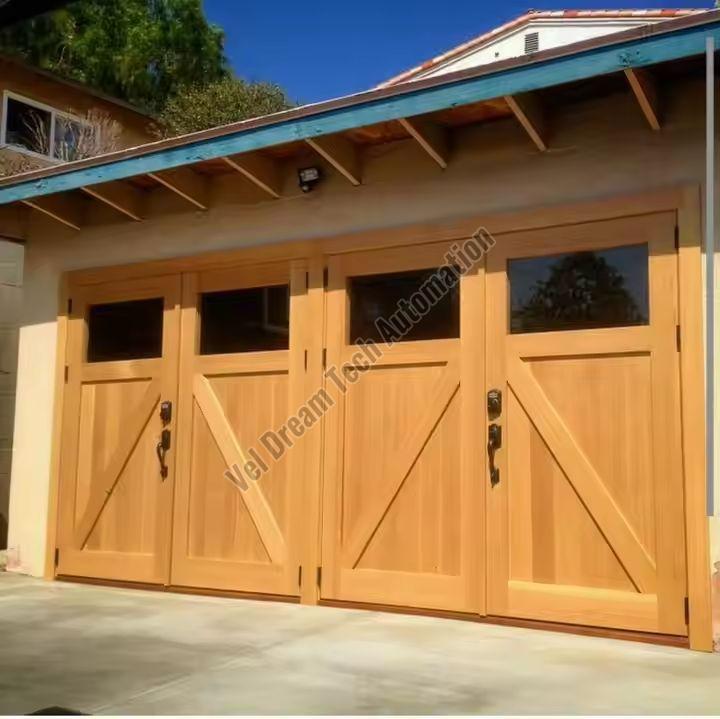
533 76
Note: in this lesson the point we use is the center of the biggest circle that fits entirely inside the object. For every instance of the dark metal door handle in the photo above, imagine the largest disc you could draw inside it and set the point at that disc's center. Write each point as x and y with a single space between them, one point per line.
166 412
161 450
494 443
494 403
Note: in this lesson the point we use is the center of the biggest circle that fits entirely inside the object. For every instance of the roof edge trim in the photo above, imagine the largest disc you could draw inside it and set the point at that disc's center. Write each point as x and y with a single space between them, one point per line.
373 107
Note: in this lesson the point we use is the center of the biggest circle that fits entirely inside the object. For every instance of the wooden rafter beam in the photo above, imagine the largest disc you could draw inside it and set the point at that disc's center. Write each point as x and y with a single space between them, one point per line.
340 153
121 196
430 136
67 210
337 117
645 90
260 170
530 113
186 184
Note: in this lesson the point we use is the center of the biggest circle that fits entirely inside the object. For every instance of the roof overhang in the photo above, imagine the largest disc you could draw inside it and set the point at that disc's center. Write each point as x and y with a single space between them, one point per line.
318 125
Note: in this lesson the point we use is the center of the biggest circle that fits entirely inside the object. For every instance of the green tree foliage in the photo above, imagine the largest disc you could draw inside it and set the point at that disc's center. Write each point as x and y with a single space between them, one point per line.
143 51
220 103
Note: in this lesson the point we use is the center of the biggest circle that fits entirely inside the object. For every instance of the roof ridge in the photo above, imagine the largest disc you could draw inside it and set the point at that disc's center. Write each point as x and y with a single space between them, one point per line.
533 14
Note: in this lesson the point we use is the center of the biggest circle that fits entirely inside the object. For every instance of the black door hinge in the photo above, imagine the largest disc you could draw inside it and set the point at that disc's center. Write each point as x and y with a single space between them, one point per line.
677 237
69 306
326 277
57 556
307 280
324 358
299 576
687 610
305 360
67 373
678 337
319 576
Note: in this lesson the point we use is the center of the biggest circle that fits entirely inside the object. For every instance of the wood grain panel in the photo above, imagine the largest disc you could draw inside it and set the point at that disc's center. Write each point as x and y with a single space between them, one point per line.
586 525
114 505
240 535
399 523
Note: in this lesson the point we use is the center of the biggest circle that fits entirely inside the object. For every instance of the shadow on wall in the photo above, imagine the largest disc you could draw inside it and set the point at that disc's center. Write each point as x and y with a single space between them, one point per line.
11 273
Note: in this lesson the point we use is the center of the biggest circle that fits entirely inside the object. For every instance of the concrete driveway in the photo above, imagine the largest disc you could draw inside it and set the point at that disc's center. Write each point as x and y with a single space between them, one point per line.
116 651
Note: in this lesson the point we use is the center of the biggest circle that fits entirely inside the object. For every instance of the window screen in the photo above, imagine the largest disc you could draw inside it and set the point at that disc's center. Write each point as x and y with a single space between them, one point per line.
247 320
381 298
580 290
125 330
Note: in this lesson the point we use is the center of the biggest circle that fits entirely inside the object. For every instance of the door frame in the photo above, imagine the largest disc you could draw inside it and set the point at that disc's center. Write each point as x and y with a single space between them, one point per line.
685 200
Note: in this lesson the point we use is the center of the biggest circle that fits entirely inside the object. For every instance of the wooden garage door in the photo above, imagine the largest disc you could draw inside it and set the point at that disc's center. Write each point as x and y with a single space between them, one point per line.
402 517
242 369
585 515
115 498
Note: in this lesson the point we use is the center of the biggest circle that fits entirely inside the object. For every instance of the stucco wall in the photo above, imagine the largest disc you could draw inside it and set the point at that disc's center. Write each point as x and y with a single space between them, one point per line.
551 33
601 148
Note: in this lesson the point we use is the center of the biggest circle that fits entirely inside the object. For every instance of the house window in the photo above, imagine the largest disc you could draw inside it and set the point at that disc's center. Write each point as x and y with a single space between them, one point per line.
532 42
27 127
30 127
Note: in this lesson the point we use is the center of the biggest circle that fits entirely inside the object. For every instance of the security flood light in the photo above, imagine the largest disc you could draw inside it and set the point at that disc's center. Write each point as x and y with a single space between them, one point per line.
308 177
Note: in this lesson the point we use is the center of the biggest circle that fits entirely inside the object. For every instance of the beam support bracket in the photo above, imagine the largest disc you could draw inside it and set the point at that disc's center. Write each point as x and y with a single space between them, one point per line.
121 196
260 170
67 210
645 90
531 114
430 136
186 184
341 153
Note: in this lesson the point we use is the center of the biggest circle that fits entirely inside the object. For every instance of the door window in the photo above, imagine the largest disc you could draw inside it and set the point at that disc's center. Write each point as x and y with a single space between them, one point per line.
247 320
579 290
125 330
414 305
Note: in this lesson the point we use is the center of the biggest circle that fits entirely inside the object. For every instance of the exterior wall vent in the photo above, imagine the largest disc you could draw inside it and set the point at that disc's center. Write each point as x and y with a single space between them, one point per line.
532 42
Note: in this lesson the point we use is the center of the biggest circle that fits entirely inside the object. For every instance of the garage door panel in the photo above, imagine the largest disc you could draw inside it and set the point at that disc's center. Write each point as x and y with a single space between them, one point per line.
398 516
219 526
553 537
253 404
608 421
127 504
115 499
586 519
237 528
420 531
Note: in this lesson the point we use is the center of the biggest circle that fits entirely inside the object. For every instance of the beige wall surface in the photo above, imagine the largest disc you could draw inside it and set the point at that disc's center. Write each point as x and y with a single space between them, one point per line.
598 149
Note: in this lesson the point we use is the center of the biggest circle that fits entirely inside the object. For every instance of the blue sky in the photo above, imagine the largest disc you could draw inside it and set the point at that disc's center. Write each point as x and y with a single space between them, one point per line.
327 48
